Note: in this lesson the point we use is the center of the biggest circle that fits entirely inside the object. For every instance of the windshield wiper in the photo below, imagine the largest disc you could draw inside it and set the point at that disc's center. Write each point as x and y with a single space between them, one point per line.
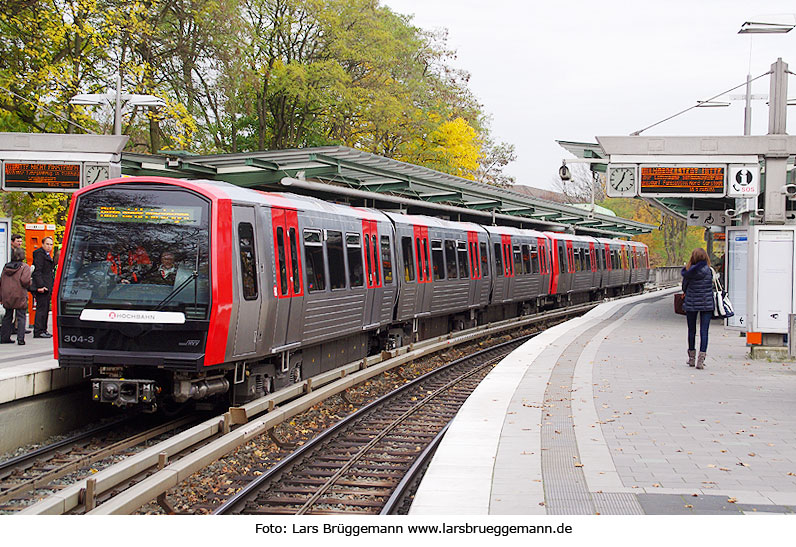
176 291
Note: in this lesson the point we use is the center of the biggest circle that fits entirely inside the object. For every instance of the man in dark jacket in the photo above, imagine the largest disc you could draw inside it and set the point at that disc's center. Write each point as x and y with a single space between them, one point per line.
698 289
14 282
43 280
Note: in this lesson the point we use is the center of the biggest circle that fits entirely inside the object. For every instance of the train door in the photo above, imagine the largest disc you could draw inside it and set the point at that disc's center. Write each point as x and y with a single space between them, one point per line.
373 281
423 263
248 286
508 267
595 278
289 287
475 268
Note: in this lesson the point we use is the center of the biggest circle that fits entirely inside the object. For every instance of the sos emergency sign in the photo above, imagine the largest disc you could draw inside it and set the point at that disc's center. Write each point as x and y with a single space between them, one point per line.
743 181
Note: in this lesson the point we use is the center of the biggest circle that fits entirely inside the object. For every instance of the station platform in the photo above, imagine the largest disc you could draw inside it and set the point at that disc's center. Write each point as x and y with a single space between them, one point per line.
31 370
602 415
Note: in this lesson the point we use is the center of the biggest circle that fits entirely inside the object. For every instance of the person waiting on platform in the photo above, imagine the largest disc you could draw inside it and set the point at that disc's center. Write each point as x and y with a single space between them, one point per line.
698 289
14 283
43 279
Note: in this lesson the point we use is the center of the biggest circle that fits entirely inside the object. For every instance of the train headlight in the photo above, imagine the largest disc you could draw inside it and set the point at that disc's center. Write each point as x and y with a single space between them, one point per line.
110 391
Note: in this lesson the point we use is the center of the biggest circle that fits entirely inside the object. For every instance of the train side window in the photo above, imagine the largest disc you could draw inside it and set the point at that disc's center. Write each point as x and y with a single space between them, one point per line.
336 260
281 260
294 261
517 260
409 259
498 260
353 246
438 266
368 265
562 261
526 259
375 254
313 260
426 265
463 269
420 276
248 260
534 260
484 260
386 259
450 259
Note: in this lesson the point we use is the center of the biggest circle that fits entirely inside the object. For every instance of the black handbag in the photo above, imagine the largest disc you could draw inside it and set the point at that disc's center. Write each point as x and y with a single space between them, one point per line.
679 298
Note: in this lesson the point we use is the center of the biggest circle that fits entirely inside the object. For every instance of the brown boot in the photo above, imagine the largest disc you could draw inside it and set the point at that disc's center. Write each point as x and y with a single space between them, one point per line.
691 357
700 363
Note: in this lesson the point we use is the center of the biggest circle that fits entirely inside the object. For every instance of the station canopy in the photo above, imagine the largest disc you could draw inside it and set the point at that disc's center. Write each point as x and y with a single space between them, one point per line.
677 207
346 175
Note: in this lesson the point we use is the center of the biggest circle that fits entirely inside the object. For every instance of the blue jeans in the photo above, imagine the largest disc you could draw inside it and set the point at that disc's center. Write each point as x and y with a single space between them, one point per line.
704 325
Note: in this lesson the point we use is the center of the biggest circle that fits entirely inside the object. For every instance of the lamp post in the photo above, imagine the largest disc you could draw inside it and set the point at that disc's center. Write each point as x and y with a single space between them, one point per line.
119 100
773 24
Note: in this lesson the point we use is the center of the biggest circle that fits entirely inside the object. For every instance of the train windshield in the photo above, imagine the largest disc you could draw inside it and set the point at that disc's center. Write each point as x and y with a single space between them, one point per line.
138 249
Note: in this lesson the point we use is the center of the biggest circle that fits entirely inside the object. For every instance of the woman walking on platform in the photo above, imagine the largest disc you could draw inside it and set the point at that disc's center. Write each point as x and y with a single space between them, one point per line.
698 289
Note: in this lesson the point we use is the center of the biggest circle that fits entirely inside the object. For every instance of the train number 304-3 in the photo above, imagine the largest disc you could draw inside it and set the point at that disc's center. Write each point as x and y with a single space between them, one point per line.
75 339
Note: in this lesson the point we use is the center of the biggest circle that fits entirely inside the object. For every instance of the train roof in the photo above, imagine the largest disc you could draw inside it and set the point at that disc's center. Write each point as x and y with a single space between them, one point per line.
512 231
422 220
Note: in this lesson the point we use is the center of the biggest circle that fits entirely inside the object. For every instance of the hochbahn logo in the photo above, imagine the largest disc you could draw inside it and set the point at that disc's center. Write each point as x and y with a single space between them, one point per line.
132 316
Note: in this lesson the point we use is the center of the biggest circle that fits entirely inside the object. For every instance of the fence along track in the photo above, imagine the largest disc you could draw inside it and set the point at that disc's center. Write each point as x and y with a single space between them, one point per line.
355 466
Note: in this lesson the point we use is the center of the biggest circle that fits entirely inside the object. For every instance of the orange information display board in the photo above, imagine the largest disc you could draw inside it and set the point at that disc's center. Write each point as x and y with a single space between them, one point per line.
674 180
34 234
41 177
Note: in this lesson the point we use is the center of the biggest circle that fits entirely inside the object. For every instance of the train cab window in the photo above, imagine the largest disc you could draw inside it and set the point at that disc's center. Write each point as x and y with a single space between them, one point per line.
336 260
386 260
409 259
526 259
375 254
438 266
313 261
450 259
464 271
498 260
353 246
517 260
248 260
484 260
281 260
562 261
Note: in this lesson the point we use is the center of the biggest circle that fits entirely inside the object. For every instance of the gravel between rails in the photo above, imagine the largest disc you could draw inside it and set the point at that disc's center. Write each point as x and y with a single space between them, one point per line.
214 484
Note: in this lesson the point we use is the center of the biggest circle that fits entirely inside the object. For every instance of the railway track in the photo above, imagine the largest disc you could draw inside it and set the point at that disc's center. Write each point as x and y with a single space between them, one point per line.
124 488
22 475
356 466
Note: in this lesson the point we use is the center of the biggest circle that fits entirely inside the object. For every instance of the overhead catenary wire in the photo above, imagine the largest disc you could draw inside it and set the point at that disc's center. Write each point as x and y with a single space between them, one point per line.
640 131
18 96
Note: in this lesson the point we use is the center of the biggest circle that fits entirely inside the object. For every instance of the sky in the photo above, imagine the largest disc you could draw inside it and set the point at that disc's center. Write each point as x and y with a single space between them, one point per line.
575 69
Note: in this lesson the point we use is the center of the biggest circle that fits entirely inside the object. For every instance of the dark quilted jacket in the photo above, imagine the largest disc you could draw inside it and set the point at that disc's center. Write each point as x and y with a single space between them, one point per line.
698 287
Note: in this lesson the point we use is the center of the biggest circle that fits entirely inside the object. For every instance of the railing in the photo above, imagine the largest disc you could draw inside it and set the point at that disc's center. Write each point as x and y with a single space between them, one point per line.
666 276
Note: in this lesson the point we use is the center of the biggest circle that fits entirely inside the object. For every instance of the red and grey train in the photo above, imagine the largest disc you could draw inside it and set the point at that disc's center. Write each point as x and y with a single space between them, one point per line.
263 289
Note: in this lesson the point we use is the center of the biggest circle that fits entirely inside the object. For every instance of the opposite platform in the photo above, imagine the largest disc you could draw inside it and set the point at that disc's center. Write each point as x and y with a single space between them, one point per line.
601 415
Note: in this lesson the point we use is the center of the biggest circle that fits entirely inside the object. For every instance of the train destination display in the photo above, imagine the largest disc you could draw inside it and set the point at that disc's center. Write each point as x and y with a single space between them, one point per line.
690 181
41 177
184 216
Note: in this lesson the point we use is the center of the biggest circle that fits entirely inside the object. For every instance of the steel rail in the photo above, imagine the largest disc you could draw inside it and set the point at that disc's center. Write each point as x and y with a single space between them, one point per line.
272 410
93 457
7 466
245 494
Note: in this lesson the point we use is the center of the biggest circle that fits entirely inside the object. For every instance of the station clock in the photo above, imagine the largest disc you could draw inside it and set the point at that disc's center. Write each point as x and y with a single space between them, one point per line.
621 181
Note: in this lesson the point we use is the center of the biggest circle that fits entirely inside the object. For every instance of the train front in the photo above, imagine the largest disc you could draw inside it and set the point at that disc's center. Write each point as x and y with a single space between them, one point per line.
133 300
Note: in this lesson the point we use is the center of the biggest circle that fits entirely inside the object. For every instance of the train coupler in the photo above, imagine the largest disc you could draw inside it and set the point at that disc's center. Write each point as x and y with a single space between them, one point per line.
123 392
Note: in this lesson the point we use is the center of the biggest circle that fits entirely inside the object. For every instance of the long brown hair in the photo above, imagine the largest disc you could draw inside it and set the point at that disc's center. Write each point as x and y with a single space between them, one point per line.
698 254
